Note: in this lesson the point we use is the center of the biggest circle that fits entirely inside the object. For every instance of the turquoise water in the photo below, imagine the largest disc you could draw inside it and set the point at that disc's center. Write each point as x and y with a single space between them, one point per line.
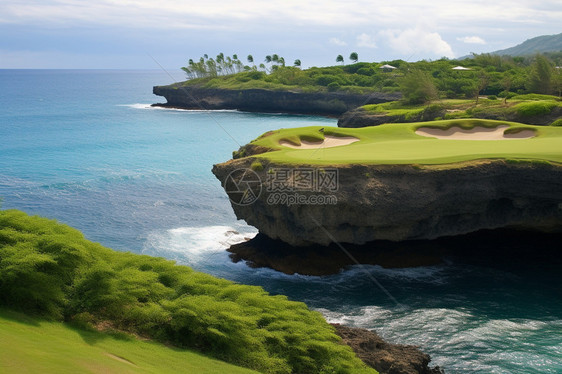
85 147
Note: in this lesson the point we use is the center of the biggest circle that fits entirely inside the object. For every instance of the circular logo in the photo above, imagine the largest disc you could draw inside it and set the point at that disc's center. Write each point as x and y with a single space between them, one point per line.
243 186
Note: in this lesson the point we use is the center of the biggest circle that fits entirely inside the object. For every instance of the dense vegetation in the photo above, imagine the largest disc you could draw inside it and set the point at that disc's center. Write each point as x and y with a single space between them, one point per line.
51 270
487 74
519 108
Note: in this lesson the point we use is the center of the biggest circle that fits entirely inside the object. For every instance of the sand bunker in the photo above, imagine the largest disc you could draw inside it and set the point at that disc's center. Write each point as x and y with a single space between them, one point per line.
476 133
328 142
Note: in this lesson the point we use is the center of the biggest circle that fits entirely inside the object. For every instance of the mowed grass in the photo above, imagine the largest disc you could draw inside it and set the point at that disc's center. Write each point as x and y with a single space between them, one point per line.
399 144
29 345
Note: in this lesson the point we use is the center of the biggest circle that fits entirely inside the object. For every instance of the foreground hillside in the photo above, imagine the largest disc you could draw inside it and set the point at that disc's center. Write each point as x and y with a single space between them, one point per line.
51 270
31 345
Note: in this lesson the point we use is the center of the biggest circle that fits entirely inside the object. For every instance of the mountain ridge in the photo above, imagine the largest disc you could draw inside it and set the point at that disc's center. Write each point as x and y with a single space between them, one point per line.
538 44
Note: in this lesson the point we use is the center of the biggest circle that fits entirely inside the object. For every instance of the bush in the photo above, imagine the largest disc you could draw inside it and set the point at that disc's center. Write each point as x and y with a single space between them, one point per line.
256 166
535 108
492 97
53 270
558 122
334 86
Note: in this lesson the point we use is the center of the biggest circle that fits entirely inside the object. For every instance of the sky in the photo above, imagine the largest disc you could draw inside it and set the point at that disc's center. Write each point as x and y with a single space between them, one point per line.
147 34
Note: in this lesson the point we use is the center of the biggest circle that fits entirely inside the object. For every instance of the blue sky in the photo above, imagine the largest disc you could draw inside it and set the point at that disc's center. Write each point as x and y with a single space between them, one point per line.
125 33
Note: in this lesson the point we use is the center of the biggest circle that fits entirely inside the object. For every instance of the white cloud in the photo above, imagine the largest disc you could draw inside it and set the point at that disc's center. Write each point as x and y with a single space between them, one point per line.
365 40
472 40
337 41
418 41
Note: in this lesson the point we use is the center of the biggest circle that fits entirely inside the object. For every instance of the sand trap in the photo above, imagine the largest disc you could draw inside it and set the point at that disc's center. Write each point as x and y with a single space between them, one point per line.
328 142
476 133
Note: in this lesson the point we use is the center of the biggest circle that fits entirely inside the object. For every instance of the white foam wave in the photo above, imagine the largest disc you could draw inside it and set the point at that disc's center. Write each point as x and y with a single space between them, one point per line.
196 241
448 334
149 106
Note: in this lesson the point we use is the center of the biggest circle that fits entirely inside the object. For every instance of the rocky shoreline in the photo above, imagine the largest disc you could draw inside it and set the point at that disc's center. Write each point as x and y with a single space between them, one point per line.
386 358
267 101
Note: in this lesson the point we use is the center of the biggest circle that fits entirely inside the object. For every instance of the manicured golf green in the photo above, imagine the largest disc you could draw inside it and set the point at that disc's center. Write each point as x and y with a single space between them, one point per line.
399 144
28 345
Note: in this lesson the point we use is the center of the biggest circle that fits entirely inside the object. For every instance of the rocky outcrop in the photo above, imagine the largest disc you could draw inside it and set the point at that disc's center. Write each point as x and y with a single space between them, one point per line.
394 202
385 357
258 100
518 247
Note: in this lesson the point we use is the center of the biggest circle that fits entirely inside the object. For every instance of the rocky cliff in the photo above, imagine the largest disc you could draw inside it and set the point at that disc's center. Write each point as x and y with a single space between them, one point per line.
398 203
258 100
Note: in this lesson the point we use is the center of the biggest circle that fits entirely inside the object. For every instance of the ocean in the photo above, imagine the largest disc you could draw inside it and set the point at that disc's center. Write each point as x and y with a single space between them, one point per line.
86 148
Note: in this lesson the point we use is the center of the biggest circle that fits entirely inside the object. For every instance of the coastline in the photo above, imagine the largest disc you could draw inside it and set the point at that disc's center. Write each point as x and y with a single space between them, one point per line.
328 104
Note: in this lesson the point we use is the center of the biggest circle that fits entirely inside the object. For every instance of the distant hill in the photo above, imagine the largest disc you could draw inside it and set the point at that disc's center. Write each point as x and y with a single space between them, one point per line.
540 44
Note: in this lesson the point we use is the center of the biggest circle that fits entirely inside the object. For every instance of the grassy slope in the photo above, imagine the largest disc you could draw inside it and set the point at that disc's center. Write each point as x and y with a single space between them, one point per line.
29 345
51 270
522 105
398 144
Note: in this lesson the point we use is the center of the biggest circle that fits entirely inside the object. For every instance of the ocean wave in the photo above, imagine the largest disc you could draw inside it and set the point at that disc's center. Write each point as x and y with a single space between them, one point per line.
149 106
194 242
461 341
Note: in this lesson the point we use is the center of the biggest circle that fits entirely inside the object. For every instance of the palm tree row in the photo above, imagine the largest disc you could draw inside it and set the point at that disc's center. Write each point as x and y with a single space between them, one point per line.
353 57
226 65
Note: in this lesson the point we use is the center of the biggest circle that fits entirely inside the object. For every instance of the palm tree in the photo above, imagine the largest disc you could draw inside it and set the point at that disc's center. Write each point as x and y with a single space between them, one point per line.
250 59
282 61
339 59
354 56
297 63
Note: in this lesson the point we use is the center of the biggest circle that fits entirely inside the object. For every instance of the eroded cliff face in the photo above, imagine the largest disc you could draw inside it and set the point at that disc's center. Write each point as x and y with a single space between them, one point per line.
257 100
395 202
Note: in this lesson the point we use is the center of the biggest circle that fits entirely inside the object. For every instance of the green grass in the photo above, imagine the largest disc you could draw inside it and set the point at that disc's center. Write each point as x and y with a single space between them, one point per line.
52 271
521 105
30 345
398 144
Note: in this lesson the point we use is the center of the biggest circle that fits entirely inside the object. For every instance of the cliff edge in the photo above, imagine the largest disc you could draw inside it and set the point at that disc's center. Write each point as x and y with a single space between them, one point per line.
397 181
267 101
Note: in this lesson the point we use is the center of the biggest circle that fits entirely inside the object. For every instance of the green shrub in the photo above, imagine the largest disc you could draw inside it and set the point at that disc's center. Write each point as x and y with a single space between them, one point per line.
256 166
535 108
558 122
52 270
492 97
334 86
535 97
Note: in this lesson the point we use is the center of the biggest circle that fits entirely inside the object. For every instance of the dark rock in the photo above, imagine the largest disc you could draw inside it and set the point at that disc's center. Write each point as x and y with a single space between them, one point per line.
258 100
385 357
262 251
399 202
499 247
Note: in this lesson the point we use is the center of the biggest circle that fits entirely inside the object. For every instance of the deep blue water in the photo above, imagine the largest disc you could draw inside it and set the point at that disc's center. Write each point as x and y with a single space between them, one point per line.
84 147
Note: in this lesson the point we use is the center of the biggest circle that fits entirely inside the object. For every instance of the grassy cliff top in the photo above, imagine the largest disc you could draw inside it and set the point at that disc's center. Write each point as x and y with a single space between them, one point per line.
399 144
